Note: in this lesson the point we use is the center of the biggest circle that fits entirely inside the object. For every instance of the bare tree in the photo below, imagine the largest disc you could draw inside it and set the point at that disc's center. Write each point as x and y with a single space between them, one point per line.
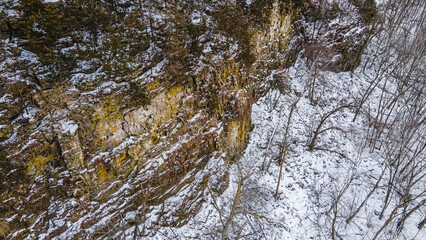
319 129
285 145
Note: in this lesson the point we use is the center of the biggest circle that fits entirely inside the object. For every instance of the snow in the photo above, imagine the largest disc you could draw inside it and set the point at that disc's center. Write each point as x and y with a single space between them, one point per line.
69 127
336 176
311 180
30 113
154 72
7 98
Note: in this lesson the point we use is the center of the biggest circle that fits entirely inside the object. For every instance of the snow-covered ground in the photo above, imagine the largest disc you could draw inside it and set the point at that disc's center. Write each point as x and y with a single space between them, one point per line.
366 172
319 189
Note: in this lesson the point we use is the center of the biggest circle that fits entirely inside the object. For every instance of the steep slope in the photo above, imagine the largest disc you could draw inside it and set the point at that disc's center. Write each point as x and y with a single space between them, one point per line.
133 117
339 155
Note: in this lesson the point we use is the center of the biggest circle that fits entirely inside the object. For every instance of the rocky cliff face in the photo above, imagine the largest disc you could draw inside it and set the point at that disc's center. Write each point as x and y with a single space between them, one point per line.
97 144
77 161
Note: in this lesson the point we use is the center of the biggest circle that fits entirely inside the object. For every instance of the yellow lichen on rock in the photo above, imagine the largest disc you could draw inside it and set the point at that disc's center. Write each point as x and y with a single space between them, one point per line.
163 107
153 85
120 159
103 175
136 151
39 163
277 35
175 91
5 131
108 124
243 129
237 131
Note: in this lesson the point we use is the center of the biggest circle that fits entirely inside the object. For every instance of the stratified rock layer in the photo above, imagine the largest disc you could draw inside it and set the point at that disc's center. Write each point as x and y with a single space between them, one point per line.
81 163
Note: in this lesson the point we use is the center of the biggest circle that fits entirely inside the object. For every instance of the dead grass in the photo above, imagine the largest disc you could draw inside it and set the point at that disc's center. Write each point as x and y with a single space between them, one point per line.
4 228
